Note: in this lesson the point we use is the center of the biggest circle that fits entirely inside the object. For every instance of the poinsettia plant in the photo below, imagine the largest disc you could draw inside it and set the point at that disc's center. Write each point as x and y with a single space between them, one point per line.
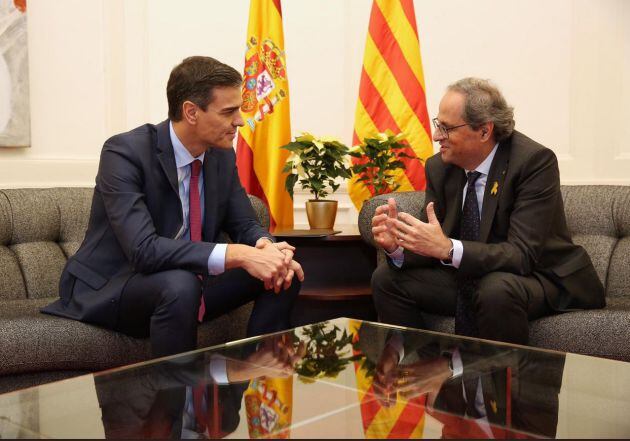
316 163
380 158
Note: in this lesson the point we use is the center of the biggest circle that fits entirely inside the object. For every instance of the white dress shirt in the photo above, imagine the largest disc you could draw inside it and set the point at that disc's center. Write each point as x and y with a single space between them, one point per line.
183 161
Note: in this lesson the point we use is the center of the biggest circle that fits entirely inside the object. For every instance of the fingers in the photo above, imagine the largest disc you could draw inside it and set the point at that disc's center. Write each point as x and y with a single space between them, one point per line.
297 268
431 214
263 242
284 246
288 279
285 250
407 219
288 256
392 208
294 269
278 283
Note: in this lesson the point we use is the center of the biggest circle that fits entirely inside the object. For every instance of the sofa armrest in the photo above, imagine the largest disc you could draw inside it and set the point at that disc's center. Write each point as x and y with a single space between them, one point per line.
261 210
411 202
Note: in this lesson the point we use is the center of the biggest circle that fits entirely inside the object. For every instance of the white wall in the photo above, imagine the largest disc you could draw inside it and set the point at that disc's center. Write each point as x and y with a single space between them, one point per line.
98 67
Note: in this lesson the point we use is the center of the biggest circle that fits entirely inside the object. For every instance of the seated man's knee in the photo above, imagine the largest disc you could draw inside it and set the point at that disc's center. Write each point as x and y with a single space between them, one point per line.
181 289
497 291
382 279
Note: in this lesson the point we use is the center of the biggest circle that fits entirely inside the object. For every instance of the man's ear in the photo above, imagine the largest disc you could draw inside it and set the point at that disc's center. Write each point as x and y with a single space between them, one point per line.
189 112
487 130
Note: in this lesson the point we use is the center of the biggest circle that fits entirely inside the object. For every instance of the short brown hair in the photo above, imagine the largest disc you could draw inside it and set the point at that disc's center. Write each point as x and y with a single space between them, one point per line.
484 102
194 79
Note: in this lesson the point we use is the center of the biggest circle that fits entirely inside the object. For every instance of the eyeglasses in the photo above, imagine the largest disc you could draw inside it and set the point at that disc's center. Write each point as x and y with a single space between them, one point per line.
444 129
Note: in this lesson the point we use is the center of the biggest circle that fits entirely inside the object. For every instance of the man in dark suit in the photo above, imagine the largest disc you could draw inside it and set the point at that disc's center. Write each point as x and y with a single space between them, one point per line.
492 246
163 194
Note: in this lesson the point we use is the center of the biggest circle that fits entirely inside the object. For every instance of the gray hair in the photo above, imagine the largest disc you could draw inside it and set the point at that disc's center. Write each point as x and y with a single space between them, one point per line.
484 102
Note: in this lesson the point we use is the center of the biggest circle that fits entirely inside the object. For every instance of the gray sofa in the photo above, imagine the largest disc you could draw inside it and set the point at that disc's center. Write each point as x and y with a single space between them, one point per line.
39 230
599 220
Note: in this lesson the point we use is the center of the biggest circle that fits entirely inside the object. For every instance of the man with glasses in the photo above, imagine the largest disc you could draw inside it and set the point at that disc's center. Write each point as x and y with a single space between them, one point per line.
491 246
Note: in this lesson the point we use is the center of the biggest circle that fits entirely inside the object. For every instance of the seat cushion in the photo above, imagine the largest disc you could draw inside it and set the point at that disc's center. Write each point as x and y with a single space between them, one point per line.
34 342
598 332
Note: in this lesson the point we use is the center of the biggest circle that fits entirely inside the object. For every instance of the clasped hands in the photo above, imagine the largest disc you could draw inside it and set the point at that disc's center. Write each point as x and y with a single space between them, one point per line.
276 356
392 229
275 265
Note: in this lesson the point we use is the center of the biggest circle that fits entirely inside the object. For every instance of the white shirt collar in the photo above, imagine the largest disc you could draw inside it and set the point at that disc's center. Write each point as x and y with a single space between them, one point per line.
484 167
182 155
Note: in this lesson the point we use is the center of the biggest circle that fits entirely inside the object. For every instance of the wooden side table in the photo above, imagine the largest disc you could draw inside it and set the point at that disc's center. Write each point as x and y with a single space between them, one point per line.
337 264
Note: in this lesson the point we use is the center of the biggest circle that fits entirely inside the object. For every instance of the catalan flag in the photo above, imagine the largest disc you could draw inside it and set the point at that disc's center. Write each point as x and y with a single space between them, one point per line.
265 111
392 92
404 420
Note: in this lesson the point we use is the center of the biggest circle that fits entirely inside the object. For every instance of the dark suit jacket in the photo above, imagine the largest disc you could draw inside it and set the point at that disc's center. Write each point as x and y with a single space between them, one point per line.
136 216
523 226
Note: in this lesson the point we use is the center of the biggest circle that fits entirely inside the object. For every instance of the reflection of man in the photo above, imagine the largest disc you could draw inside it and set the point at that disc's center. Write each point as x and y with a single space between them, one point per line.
475 390
181 398
492 246
163 194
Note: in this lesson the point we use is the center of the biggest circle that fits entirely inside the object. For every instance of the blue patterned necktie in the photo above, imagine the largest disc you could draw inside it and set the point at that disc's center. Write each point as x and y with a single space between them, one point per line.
465 323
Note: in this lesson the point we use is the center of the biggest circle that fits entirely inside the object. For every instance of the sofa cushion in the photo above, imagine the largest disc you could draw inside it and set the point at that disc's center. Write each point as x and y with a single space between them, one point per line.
597 332
41 264
39 229
33 342
12 286
74 208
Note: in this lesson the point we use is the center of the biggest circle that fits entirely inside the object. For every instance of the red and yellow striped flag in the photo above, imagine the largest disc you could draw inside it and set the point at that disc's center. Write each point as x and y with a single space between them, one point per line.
265 112
392 92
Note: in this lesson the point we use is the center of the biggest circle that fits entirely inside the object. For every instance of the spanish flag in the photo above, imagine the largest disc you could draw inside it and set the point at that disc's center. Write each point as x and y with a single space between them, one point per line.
392 92
265 111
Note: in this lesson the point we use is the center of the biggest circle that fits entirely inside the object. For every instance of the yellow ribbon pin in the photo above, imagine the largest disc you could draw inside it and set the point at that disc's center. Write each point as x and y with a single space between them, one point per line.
495 188
493 404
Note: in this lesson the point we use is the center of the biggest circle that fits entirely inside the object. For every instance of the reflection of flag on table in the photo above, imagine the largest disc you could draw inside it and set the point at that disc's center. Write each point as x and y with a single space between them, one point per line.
392 92
403 420
265 111
268 405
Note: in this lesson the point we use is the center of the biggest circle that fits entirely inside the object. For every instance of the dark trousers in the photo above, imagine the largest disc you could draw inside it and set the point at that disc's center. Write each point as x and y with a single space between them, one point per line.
503 302
164 306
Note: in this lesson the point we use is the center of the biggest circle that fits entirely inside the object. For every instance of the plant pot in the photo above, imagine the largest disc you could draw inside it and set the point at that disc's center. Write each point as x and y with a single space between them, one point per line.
321 213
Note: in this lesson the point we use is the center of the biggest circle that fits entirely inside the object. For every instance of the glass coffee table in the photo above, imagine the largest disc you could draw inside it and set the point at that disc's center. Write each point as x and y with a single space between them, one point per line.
338 379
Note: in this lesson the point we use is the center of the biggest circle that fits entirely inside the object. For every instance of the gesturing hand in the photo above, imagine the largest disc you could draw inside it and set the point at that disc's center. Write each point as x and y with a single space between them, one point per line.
381 229
424 238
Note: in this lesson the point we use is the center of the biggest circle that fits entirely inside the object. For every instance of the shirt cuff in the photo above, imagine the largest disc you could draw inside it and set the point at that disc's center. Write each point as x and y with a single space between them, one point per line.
218 369
397 256
458 252
216 261
458 366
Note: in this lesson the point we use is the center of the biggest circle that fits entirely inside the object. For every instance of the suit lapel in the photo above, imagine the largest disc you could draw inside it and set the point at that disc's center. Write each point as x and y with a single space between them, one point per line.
210 177
166 155
494 186
453 196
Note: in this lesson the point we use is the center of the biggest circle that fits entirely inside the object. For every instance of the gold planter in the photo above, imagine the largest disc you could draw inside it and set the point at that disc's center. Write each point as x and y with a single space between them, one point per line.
321 213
